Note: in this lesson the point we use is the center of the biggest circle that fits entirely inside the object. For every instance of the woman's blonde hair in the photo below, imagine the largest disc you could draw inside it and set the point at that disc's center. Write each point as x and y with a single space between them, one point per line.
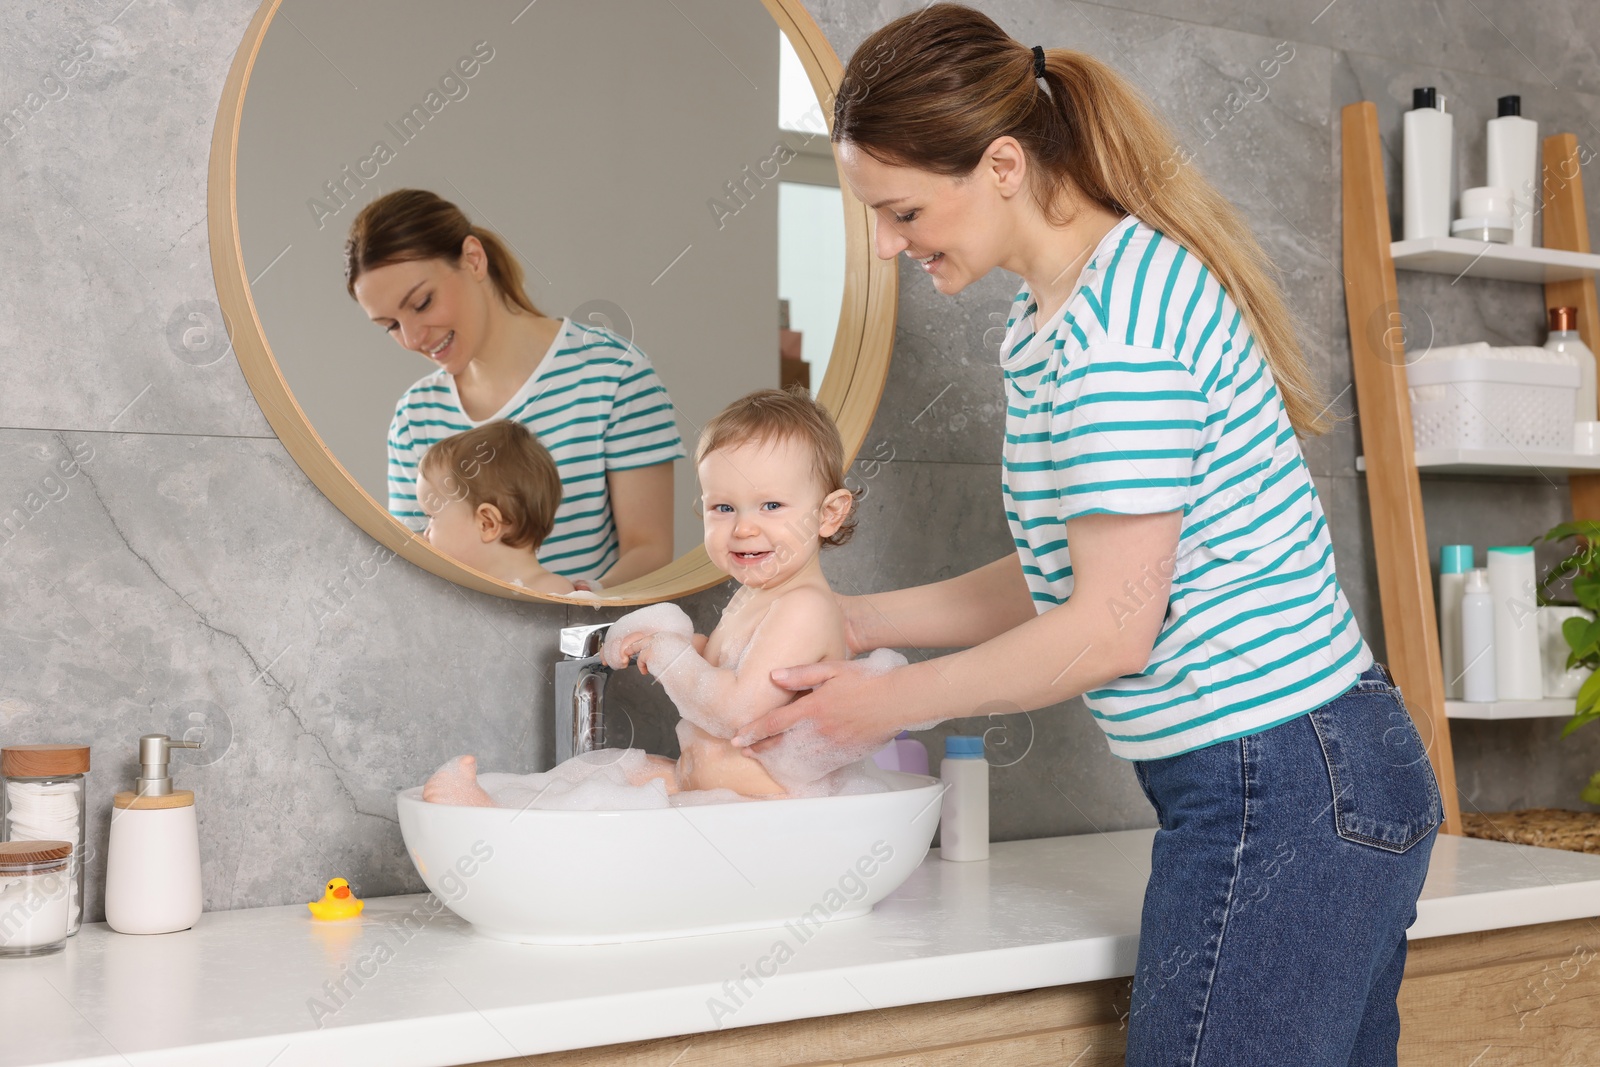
935 88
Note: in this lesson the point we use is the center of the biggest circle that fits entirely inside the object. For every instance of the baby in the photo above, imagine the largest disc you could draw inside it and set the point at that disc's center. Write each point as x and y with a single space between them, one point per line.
491 495
771 479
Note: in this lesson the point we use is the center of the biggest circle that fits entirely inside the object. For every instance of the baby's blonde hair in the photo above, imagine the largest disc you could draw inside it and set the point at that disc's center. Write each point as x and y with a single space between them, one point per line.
500 463
769 415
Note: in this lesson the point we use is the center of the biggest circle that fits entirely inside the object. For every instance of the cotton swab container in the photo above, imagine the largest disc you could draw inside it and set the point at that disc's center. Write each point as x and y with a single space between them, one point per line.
43 800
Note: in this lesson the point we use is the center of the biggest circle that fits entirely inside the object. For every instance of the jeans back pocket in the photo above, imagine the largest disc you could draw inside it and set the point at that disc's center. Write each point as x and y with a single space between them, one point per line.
1384 790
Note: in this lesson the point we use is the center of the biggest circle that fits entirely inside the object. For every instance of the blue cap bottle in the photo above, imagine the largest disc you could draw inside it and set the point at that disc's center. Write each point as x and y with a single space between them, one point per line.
964 814
957 747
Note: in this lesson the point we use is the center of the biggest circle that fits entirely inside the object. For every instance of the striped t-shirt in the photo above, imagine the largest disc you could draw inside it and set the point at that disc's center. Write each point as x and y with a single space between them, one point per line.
594 401
1145 394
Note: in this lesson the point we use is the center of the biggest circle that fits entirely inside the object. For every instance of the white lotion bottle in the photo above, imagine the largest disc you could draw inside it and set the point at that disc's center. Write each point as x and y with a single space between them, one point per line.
1428 166
964 814
1477 638
1514 164
1518 674
1564 337
153 862
1454 563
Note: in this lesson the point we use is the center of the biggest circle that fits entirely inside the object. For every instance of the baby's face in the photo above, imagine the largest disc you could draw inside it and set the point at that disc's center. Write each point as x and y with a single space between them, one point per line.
452 527
763 510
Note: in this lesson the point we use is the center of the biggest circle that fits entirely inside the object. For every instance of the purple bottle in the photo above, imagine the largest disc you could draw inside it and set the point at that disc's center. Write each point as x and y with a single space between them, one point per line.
904 753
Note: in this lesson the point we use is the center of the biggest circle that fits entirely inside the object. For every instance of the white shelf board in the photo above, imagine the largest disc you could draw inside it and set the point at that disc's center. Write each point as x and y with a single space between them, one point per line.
1506 462
1480 259
1509 709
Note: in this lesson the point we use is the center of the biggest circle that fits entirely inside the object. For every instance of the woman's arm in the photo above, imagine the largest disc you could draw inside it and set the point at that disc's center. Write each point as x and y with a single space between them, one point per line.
641 507
1123 566
955 613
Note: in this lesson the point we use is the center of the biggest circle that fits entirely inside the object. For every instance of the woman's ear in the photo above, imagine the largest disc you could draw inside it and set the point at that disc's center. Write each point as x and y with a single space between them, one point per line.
835 509
491 524
474 260
1006 165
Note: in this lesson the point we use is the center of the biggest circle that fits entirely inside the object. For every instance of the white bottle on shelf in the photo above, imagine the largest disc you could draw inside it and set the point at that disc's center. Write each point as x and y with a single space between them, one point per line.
1564 337
1514 164
1428 166
1517 671
1477 638
1454 563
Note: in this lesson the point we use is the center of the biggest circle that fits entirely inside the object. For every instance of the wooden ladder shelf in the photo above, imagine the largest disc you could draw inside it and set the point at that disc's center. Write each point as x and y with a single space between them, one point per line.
1378 359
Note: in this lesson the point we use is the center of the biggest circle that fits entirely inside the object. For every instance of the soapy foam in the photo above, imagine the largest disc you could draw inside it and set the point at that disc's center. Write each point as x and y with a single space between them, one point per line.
666 617
600 781
691 682
801 756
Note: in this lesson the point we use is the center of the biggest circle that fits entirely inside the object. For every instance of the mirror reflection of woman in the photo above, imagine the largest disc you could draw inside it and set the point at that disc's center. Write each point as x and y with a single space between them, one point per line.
452 292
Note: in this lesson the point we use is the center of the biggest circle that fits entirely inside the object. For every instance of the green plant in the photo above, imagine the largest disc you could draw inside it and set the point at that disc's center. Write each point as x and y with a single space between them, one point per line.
1580 570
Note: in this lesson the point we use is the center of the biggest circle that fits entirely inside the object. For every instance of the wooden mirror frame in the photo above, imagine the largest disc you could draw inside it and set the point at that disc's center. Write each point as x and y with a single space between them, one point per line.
851 387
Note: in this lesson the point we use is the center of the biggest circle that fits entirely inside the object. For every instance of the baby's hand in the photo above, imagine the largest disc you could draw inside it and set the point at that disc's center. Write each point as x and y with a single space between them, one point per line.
628 634
618 657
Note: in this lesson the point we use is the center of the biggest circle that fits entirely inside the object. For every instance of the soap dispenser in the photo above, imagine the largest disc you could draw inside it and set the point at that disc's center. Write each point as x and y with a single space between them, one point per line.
1425 176
153 862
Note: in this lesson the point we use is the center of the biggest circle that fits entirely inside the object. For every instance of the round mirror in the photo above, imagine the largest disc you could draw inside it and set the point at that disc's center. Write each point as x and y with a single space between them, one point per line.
660 177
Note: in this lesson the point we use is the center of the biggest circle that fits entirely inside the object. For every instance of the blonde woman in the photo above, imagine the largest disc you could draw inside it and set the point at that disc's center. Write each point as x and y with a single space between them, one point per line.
1155 395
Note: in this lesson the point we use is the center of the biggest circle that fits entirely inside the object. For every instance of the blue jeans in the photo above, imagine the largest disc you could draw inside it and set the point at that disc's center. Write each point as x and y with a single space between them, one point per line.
1283 877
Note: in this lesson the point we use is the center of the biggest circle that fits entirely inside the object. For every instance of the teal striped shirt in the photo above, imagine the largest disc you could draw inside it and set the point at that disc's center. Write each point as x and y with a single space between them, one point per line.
594 401
1145 394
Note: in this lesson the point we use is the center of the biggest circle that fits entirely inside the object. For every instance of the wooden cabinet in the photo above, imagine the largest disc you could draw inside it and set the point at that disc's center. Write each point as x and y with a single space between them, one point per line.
1503 998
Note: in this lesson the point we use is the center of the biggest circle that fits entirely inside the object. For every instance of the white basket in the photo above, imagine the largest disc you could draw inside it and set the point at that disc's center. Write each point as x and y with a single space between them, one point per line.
1483 402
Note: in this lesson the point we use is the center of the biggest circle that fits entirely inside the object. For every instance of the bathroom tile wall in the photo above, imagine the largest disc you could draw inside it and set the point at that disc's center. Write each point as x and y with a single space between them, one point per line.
188 578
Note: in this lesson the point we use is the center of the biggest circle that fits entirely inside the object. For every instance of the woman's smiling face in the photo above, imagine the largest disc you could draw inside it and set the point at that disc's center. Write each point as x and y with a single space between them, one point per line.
956 229
431 306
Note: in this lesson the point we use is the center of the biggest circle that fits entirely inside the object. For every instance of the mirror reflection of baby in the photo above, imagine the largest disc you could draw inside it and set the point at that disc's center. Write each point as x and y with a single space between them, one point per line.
771 480
491 495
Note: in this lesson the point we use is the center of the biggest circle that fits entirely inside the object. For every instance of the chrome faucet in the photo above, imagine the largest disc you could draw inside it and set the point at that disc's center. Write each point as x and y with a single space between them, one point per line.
580 691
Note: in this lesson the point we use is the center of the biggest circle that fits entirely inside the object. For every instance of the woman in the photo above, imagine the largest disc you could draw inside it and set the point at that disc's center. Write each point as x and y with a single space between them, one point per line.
450 291
1154 392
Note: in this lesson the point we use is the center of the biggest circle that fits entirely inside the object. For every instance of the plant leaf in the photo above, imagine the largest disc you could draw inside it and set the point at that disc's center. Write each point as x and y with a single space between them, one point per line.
1591 792
1580 720
1588 696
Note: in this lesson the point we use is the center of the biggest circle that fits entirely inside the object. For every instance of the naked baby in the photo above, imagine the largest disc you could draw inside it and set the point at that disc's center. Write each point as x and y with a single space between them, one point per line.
771 477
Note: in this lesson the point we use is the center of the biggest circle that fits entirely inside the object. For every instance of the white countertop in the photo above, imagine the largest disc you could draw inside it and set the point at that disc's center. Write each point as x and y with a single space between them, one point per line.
242 987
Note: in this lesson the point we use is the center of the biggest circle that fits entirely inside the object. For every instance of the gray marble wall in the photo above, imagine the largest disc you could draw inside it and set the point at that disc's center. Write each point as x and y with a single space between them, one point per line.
187 576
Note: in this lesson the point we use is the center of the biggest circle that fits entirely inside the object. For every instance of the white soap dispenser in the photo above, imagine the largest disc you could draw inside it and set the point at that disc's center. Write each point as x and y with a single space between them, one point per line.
153 863
1429 166
1514 163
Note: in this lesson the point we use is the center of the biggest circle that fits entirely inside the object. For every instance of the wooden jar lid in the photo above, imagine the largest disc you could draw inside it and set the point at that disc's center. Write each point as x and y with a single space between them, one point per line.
12 852
178 798
43 761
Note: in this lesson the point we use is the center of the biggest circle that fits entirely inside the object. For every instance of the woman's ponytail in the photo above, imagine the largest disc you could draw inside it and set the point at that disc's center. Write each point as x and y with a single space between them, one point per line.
410 224
935 88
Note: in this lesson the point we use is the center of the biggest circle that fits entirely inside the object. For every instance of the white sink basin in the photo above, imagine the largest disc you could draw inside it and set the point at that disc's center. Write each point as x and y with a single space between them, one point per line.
595 877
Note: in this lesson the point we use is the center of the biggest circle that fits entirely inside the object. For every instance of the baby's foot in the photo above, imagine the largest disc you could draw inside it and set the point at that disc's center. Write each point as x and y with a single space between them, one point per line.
457 783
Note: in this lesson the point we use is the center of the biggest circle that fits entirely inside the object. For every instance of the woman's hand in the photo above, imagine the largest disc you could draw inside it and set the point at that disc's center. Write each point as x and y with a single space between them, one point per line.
850 706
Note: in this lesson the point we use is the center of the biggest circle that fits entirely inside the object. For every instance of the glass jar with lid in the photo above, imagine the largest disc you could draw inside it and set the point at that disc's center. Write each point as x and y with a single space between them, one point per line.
43 800
35 888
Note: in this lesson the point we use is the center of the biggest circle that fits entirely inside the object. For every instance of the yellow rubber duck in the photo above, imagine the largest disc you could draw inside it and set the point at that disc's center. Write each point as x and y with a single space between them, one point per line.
337 902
